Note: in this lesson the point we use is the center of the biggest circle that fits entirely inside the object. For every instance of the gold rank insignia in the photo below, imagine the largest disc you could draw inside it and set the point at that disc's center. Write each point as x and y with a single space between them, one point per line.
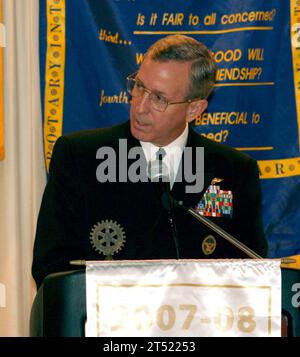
209 245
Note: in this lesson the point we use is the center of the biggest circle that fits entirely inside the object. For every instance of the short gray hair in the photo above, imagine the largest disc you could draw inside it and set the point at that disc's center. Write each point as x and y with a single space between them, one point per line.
187 49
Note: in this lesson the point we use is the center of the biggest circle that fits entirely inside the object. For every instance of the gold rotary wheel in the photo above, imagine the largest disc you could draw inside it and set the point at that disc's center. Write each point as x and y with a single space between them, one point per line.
107 238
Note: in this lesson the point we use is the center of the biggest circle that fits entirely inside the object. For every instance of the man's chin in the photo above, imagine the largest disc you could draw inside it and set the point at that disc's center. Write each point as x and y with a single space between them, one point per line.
137 134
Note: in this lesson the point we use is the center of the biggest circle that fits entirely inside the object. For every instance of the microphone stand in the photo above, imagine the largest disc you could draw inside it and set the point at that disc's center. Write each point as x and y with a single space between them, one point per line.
218 230
223 234
157 171
169 206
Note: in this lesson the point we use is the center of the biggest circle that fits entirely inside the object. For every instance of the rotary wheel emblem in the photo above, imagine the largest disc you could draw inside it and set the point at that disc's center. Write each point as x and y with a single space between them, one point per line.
107 238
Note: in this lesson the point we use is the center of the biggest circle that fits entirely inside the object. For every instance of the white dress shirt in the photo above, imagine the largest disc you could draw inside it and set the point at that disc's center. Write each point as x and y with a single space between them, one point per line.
173 153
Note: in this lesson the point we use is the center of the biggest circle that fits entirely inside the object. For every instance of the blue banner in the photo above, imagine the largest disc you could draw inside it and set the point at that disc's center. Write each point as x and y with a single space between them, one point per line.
89 47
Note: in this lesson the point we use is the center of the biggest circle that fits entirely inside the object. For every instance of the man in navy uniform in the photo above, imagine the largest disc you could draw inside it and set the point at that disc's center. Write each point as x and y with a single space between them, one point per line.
82 216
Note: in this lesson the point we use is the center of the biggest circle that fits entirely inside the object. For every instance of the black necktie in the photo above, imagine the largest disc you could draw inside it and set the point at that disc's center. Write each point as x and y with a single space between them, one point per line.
160 154
166 198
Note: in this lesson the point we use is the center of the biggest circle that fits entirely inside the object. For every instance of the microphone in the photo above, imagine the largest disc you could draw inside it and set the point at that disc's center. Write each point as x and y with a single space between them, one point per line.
213 227
158 172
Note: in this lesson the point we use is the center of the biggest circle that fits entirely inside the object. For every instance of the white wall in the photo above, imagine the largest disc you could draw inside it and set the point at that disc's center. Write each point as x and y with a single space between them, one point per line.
22 173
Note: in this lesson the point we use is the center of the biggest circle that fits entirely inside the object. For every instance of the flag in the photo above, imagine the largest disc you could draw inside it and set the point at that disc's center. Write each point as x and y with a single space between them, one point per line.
88 48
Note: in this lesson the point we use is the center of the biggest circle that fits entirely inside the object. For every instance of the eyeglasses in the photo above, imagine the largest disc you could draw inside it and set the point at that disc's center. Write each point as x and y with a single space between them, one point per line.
158 102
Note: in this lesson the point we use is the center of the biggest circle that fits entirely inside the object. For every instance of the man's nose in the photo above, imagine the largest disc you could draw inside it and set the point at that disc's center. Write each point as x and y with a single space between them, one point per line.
143 103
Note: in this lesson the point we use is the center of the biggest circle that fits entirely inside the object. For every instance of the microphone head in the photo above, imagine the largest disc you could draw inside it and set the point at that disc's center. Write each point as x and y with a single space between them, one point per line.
158 171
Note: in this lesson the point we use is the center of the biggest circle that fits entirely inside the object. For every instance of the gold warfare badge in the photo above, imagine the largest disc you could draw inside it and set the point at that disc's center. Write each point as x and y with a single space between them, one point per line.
209 245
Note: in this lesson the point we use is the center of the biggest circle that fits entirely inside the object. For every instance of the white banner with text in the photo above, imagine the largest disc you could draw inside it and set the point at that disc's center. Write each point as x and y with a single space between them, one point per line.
167 298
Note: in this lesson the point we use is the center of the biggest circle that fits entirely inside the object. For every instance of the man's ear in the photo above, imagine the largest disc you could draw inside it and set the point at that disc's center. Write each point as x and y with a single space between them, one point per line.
196 109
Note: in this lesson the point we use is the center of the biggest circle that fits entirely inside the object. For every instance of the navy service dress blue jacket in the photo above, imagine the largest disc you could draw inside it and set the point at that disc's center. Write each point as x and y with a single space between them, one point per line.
81 218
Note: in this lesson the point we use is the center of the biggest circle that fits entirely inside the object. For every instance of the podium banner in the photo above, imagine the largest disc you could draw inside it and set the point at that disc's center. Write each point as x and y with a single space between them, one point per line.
169 298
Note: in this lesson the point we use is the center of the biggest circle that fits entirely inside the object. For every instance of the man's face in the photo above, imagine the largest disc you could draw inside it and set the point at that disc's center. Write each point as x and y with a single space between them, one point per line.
170 79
